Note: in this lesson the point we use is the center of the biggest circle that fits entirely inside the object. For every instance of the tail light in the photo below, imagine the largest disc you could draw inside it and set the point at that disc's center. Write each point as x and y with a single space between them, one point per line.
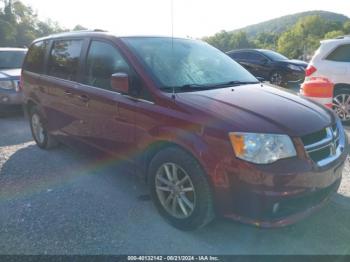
310 70
20 85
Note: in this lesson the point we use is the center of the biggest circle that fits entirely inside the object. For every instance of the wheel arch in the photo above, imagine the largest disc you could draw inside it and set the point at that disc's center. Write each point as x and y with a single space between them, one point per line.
152 149
28 105
339 86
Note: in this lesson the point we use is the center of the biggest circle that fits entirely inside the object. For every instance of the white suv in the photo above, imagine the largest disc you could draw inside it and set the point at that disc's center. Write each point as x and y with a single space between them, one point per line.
330 64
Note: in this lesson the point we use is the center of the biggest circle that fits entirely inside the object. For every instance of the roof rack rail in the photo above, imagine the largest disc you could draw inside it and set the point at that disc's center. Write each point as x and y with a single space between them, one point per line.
343 37
99 30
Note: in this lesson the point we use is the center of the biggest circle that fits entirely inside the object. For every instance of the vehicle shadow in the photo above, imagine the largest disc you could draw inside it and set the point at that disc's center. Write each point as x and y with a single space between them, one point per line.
66 202
14 130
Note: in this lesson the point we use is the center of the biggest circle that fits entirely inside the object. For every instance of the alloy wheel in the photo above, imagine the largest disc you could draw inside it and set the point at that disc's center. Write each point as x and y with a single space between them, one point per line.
341 106
38 129
276 79
175 190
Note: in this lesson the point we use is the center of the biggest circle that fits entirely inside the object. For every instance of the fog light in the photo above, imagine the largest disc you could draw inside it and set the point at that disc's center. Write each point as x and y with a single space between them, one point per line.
275 208
5 99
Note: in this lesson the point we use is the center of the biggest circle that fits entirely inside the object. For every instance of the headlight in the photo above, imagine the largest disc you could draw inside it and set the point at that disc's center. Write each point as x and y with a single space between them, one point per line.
262 148
295 68
7 85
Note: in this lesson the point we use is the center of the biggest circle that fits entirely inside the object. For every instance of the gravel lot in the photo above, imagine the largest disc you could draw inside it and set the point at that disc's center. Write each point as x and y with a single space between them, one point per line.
65 202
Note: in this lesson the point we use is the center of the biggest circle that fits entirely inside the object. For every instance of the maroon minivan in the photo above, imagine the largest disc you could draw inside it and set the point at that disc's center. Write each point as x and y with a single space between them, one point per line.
207 136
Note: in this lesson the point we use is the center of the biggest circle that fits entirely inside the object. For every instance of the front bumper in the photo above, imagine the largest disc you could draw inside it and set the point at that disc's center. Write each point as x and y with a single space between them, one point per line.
10 100
278 194
294 76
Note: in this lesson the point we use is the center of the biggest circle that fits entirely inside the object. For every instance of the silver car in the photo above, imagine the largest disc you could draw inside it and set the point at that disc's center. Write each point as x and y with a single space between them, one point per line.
11 60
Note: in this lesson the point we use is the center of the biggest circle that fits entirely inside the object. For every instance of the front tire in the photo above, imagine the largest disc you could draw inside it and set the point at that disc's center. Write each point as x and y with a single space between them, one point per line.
180 189
341 104
277 78
39 131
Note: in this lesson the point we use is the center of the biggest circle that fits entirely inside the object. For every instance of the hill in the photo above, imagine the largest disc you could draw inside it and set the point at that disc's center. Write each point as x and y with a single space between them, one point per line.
281 24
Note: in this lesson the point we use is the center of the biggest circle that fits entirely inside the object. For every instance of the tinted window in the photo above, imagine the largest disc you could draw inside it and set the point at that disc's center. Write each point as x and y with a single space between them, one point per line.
11 59
341 54
274 55
239 55
255 56
64 59
103 60
36 57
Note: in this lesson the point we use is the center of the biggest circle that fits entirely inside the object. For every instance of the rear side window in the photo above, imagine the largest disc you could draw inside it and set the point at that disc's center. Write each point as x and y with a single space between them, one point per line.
64 59
341 54
255 57
35 59
103 60
240 55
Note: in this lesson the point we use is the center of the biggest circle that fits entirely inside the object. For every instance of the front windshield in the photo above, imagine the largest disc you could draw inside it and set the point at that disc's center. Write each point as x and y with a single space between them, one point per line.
274 55
11 59
177 63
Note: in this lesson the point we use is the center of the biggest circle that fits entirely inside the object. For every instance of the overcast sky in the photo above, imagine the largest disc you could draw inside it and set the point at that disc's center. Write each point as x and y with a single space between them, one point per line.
192 18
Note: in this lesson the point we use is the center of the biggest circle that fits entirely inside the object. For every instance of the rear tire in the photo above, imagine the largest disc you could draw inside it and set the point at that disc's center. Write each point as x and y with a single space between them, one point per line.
39 131
177 179
341 104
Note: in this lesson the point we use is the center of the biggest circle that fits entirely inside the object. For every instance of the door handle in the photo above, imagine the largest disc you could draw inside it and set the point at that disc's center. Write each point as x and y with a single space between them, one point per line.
84 98
68 93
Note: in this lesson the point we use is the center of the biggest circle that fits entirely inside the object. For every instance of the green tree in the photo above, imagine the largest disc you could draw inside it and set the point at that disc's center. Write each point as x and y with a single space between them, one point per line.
226 41
79 28
304 37
266 40
19 25
333 34
346 27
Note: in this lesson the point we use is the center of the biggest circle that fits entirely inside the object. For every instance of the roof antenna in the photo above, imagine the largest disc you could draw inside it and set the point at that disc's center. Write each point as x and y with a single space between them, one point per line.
173 96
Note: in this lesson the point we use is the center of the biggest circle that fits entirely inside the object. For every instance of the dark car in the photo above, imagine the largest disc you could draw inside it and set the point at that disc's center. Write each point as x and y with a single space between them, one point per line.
270 65
11 60
201 130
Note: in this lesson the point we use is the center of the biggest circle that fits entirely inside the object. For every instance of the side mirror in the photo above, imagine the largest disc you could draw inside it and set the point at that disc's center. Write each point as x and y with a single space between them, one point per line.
120 83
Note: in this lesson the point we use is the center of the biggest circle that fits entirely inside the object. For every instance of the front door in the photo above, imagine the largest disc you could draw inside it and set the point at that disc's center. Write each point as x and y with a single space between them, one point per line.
107 117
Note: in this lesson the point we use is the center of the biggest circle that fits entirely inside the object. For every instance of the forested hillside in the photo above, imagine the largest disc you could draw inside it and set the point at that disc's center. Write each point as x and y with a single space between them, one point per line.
296 36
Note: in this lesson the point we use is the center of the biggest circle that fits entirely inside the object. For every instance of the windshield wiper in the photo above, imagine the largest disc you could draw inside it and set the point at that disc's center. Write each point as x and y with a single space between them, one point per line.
235 83
199 87
185 88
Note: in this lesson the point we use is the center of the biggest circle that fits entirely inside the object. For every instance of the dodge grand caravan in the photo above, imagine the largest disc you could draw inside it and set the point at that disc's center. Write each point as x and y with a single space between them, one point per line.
208 138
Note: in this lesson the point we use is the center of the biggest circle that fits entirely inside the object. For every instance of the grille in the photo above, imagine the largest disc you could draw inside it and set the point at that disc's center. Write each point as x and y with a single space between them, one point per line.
323 146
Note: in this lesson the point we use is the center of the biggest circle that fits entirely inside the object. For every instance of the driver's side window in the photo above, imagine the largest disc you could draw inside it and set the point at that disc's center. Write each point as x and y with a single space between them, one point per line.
103 60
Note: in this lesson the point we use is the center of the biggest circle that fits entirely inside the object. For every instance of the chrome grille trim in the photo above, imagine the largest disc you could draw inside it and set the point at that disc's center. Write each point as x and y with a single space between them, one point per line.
334 141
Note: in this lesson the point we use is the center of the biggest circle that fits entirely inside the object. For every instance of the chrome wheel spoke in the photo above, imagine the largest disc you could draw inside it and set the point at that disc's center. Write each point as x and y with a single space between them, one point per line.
174 173
187 202
174 206
341 106
168 199
38 130
187 189
182 206
347 102
175 190
163 188
164 181
182 181
168 173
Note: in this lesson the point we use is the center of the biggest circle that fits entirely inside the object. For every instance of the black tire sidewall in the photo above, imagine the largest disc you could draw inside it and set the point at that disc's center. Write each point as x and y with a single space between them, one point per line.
203 208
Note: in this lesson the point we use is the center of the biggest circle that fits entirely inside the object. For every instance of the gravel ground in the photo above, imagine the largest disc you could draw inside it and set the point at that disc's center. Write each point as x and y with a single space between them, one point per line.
64 202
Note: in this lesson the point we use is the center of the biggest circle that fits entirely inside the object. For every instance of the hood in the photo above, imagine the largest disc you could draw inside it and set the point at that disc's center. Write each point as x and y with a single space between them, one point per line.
259 108
295 62
10 73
